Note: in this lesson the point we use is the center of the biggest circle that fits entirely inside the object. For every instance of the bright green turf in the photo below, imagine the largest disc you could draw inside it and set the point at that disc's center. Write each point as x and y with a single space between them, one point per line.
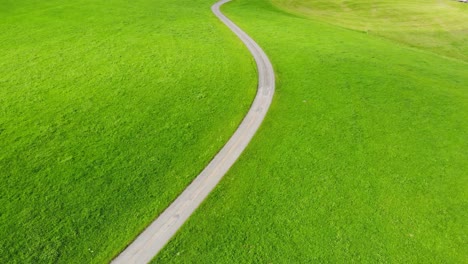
436 25
108 109
362 157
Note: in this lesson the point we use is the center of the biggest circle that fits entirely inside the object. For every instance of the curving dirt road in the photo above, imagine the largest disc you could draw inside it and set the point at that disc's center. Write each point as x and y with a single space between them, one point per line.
155 236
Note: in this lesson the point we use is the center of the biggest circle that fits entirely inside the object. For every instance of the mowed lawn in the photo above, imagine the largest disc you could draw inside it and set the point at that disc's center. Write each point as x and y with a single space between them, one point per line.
108 109
361 159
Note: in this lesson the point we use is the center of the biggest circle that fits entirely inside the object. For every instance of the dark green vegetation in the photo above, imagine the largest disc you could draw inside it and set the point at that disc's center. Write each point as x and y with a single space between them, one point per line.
108 109
362 157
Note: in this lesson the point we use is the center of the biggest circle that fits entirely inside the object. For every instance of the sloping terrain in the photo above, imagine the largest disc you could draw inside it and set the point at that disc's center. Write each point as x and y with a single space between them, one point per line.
362 157
438 26
108 109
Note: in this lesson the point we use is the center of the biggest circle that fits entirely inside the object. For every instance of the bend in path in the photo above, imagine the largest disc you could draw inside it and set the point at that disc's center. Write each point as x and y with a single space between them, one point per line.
158 234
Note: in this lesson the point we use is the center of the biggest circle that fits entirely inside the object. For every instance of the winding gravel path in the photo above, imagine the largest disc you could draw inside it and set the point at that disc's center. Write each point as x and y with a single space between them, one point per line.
158 234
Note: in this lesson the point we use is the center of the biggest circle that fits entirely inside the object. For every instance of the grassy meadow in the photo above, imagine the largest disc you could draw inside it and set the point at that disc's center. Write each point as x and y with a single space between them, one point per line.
108 109
362 157
438 26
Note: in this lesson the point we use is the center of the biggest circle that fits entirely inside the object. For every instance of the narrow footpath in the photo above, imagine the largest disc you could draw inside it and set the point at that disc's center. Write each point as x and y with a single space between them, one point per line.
158 234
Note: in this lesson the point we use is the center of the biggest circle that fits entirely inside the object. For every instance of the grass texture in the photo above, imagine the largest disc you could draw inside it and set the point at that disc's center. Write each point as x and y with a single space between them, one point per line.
108 109
438 26
361 159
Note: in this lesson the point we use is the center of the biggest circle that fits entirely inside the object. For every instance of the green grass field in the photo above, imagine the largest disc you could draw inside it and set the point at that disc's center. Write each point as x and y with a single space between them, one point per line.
435 25
362 157
108 109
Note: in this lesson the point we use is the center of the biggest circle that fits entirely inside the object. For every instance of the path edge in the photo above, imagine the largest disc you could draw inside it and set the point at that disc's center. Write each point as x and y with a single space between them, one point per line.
148 244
